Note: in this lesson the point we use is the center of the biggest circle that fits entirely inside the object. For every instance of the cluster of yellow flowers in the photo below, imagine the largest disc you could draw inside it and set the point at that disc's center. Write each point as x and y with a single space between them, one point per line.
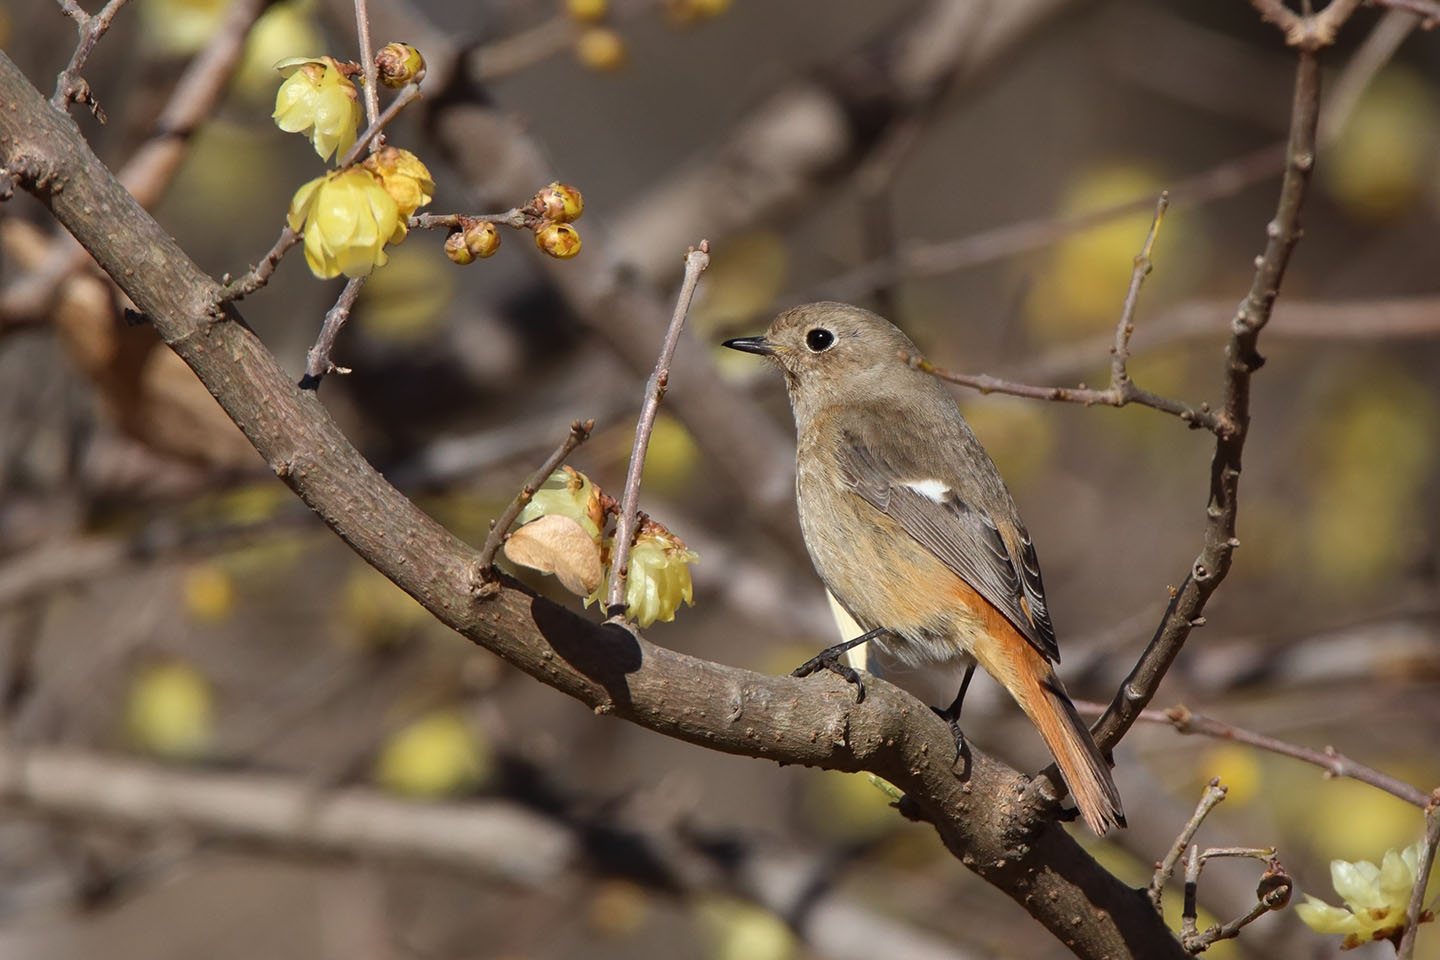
1376 899
349 215
562 533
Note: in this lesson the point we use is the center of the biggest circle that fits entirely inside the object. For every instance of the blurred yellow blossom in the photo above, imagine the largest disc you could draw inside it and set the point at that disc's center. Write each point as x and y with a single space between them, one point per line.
180 27
1375 899
169 711
317 99
437 755
347 217
283 31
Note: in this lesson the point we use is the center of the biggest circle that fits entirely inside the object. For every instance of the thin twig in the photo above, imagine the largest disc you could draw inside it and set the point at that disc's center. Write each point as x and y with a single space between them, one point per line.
1272 893
69 85
260 274
367 63
1213 795
1121 391
514 217
1241 360
1405 950
1334 763
579 433
317 359
407 95
696 260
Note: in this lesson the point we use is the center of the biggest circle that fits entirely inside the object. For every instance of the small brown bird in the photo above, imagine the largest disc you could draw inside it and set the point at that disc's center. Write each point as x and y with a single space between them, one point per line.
914 533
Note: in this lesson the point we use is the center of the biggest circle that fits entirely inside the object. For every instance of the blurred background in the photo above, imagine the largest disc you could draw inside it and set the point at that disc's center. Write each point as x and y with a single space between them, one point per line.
244 742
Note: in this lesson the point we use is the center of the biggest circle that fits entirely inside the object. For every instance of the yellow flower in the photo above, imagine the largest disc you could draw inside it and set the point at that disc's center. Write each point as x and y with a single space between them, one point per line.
404 177
318 99
569 493
1376 898
659 577
348 217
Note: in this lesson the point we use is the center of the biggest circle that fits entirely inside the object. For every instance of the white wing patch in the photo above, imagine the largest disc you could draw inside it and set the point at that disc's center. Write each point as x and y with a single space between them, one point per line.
932 490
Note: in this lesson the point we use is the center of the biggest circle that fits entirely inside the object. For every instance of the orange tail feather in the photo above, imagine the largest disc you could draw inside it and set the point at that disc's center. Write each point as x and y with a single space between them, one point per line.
1032 682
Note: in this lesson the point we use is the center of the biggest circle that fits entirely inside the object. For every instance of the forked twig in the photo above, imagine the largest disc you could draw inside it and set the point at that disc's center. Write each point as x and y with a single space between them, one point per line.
1165 869
1122 390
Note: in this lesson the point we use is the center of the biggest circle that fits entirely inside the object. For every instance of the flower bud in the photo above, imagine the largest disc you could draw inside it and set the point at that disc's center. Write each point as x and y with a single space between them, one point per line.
559 202
456 248
399 64
600 48
559 240
482 239
403 176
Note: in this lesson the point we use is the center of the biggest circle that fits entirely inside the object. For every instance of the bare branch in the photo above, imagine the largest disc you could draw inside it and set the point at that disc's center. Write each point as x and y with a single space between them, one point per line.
1334 763
317 358
69 85
695 263
1122 391
579 433
1241 361
1212 797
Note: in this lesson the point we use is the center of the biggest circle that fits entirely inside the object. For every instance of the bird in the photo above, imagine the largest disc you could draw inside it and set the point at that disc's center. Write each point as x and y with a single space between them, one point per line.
913 531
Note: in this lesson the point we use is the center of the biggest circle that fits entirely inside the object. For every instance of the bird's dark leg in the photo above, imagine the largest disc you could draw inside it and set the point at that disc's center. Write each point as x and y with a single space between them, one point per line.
951 715
829 659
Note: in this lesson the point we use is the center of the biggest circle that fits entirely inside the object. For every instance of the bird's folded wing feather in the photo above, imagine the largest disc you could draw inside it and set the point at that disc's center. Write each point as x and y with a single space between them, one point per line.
962 536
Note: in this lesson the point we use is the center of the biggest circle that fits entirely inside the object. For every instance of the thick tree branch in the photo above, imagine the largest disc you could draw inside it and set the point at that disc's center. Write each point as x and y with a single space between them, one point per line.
985 820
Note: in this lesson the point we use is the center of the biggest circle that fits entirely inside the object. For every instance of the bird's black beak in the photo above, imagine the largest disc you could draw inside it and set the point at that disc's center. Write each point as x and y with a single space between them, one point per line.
751 345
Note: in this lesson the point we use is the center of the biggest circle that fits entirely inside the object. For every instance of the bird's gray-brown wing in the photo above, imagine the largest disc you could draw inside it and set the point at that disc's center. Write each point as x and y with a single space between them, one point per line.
965 538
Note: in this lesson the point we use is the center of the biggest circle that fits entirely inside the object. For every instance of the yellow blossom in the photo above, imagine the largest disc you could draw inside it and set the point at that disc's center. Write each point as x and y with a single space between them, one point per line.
600 48
347 217
319 100
1375 899
659 577
404 177
569 493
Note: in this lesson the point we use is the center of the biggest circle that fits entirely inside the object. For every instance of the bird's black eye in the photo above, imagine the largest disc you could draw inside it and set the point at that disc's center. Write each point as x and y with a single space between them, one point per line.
819 339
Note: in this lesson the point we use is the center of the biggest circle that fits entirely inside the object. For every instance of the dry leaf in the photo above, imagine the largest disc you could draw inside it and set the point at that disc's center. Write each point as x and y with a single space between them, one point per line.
559 545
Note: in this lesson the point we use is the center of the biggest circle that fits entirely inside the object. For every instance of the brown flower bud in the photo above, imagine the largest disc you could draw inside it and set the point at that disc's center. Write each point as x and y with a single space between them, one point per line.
456 248
559 202
482 239
399 64
559 240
